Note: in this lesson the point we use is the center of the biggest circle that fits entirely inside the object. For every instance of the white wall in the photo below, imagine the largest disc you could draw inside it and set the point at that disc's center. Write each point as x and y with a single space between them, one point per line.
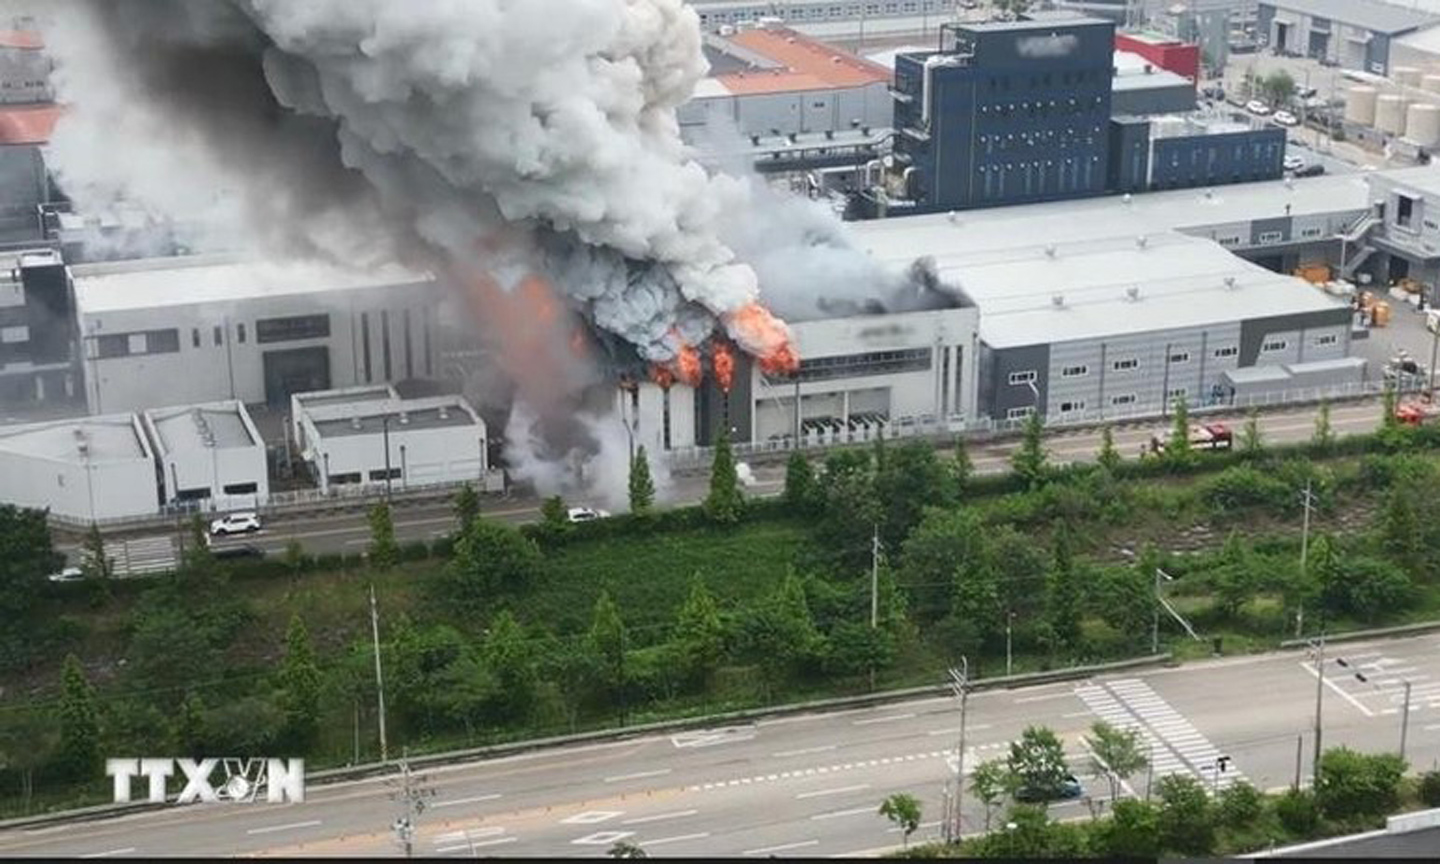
120 487
216 468
814 111
438 455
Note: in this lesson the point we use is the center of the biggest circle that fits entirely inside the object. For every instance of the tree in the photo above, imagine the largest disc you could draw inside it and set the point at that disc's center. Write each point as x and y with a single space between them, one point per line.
991 782
850 510
1388 403
1178 452
1358 785
507 655
626 849
1029 833
1234 579
1030 459
26 555
1251 441
1116 753
554 517
799 482
961 468
300 681
699 632
1402 527
977 612
780 633
1187 820
1240 805
1324 437
467 507
724 503
1037 762
27 743
943 542
1132 831
1109 457
294 557
77 756
489 558
1280 86
94 563
910 479
642 486
904 810
384 552
606 642
190 726
1062 593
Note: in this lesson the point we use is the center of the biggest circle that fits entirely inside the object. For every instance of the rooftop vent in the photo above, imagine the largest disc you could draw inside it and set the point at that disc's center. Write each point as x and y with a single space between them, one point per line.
1142 241
1050 250
404 418
444 413
1230 283
355 423
1057 300
1126 199
1133 293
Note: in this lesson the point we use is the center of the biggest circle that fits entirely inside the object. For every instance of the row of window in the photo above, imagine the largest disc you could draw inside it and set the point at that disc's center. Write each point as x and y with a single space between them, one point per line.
821 12
1129 364
856 365
1064 79
168 341
1076 406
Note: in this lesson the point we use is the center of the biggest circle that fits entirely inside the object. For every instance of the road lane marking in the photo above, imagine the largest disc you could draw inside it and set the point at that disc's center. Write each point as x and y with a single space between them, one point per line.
469 835
970 727
270 829
887 719
838 813
602 838
784 754
1329 682
679 838
638 775
784 847
476 844
674 814
1027 699
1074 714
590 817
819 793
126 851
458 801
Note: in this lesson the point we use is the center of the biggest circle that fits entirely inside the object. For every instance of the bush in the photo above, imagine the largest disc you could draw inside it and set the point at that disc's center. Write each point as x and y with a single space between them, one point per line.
1297 812
418 550
1240 487
1240 806
1357 785
1430 788
1187 820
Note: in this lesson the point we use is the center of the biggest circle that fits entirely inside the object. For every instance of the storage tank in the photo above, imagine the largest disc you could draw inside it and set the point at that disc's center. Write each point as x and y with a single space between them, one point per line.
1360 105
1390 114
1407 76
1422 124
1431 82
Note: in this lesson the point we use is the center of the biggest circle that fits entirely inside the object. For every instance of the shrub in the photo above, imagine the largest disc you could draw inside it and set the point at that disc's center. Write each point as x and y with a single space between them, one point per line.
1242 486
1297 812
1430 788
1358 785
418 550
1240 805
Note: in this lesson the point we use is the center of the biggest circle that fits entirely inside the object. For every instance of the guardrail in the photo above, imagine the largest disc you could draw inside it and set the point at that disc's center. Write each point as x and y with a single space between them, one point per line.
1362 635
361 772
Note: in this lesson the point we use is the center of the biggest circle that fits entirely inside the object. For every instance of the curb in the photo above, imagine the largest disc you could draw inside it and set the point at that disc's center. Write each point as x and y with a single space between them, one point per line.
361 772
1360 635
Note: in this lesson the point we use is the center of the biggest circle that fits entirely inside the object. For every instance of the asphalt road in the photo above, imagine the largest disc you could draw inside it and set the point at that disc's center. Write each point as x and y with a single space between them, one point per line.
810 785
349 532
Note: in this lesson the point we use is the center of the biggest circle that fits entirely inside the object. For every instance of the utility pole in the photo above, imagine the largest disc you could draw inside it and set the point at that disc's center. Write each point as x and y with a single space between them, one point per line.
385 433
875 578
1319 646
379 678
960 686
1009 624
412 799
1405 720
1308 500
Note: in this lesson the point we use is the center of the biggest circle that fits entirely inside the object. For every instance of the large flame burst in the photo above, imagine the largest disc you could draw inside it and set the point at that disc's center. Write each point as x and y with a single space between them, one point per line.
723 362
765 337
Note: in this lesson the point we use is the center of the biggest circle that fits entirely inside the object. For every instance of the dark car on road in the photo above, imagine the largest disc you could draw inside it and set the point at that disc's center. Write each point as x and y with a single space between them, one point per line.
1069 789
1313 169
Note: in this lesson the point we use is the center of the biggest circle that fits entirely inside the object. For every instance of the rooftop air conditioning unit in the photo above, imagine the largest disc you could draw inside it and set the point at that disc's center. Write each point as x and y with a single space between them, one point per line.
1133 293
355 423
1050 250
1058 301
1142 241
1230 283
444 413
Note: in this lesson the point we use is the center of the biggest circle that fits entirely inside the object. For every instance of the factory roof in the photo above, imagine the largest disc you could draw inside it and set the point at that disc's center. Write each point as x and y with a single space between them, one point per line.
1426 39
1372 15
347 396
784 60
155 282
219 425
106 438
1042 22
369 417
28 124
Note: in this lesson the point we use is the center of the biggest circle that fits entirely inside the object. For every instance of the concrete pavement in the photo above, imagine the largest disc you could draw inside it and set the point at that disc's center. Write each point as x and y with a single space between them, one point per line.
810 784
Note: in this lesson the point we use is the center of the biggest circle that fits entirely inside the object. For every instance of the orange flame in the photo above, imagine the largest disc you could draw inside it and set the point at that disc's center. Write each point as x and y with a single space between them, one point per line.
662 375
723 361
686 366
577 342
760 333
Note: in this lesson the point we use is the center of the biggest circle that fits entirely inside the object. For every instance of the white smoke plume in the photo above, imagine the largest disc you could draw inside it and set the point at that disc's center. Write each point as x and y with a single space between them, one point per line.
600 472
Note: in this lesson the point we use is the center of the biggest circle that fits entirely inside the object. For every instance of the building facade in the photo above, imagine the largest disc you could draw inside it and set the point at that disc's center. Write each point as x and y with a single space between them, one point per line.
82 470
1354 34
210 456
38 336
1186 152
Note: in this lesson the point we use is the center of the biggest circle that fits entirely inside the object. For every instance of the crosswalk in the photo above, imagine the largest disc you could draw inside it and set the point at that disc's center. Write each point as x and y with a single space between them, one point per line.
1175 745
139 556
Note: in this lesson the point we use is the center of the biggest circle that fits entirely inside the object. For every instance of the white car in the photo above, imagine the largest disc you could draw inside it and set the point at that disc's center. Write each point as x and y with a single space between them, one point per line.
1294 163
585 514
1255 106
1285 118
235 523
69 574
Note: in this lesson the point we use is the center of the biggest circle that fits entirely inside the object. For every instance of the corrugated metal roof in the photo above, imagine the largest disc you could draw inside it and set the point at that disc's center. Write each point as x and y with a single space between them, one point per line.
805 64
1370 14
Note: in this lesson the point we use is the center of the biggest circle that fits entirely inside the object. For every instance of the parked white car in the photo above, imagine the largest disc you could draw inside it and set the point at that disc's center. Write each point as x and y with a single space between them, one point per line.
1294 163
1285 118
585 514
1255 106
69 574
235 523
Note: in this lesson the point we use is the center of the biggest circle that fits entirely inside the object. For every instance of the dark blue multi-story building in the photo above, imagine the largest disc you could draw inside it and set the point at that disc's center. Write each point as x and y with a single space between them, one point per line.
1011 112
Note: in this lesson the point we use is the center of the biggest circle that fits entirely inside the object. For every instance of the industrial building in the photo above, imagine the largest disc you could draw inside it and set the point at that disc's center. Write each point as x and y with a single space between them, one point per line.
1140 86
38 359
219 329
370 435
209 455
84 469
1354 34
1189 151
28 116
718 14
1399 238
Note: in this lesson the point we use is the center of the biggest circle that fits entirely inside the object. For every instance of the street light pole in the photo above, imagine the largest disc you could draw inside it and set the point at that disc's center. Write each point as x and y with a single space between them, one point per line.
1309 500
385 426
379 678
960 686
1319 706
1009 624
1405 721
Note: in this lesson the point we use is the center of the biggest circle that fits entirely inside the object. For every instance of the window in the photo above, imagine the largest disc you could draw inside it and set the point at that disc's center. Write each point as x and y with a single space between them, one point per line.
1019 413
1180 357
1123 399
1265 238
291 329
1178 393
1019 379
1227 351
1075 371
1274 345
1404 210
195 337
1072 407
137 344
1327 339
380 474
162 342
12 335
857 365
1310 232
240 333
219 337
241 489
1126 364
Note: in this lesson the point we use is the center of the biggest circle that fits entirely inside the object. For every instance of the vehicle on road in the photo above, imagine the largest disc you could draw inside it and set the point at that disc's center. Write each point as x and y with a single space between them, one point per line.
1417 412
1306 93
584 514
1070 789
69 574
1256 107
1314 169
235 523
1294 163
1214 91
1203 436
1285 118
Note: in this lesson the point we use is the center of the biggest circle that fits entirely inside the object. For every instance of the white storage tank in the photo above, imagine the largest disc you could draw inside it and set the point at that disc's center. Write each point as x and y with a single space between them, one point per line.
1390 114
1422 124
1431 82
1360 105
1406 76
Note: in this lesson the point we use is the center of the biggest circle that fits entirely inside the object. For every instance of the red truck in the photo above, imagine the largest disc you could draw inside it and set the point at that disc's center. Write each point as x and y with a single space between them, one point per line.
1417 412
1203 436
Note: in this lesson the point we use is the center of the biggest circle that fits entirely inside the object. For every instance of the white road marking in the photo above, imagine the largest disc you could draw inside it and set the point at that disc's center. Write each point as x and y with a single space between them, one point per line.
1330 682
1432 727
590 817
972 727
468 835
819 793
126 851
1074 714
886 719
290 827
1046 697
638 775
838 813
458 801
476 845
656 817
766 850
803 752
602 838
679 838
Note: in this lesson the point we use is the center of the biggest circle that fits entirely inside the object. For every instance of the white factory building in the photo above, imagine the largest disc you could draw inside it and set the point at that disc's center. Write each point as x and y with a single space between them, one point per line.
220 329
210 454
81 469
359 436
